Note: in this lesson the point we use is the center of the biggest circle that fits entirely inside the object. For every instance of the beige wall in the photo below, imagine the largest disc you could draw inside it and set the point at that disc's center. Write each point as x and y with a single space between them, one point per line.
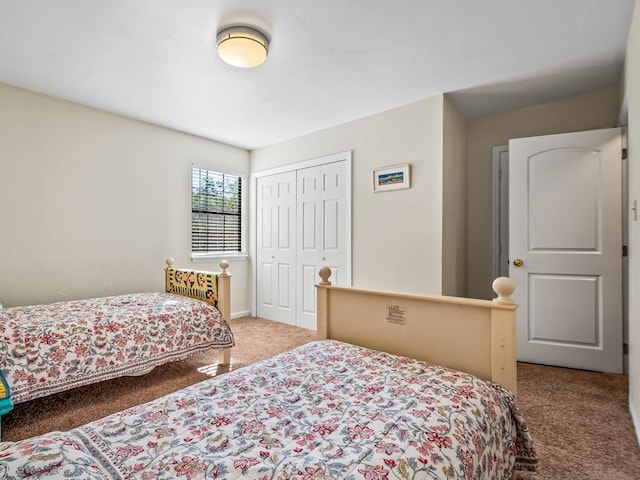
92 203
586 112
397 235
632 94
454 214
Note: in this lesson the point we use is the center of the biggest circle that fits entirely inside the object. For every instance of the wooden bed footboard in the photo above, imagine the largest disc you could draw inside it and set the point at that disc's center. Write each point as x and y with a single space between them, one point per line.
471 335
211 287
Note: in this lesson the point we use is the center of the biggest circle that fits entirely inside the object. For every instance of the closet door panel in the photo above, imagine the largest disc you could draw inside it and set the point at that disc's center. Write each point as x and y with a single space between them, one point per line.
303 223
276 252
322 223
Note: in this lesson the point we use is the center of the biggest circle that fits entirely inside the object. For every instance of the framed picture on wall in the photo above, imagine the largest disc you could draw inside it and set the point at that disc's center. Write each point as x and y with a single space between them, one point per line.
393 177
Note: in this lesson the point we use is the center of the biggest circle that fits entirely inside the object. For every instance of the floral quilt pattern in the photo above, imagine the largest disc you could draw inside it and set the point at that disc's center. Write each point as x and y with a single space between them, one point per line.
50 348
327 410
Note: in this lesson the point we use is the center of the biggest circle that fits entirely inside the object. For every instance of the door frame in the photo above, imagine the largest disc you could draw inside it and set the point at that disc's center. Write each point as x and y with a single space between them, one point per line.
253 208
500 214
625 259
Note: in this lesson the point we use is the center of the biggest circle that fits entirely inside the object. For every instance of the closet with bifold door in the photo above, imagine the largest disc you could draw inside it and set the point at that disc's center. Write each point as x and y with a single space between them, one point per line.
303 222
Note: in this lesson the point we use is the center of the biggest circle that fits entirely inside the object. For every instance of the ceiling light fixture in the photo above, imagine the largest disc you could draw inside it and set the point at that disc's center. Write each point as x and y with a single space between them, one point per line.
242 46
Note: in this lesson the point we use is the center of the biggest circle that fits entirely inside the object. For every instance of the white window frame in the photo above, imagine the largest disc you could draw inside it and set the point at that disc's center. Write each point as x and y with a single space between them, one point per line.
226 255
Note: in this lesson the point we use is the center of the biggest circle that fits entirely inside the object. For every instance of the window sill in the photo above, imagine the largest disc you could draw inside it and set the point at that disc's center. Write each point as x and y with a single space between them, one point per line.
232 257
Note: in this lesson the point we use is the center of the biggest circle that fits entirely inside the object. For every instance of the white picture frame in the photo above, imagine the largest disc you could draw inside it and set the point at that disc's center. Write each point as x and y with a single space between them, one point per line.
392 177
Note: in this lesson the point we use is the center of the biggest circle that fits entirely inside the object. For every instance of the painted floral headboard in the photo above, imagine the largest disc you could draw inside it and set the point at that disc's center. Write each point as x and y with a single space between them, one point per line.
192 283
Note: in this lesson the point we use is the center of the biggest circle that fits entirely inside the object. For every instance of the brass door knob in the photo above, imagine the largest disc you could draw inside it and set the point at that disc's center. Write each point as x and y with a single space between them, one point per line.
517 262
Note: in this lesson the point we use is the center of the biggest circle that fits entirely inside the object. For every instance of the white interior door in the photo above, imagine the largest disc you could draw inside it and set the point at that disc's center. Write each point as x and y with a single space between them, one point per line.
565 227
323 233
276 247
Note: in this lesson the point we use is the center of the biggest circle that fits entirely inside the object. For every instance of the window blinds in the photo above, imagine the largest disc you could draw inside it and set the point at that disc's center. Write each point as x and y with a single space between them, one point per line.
216 212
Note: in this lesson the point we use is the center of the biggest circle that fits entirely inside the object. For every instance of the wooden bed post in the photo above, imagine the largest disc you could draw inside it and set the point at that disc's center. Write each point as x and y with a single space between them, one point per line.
503 335
224 305
322 313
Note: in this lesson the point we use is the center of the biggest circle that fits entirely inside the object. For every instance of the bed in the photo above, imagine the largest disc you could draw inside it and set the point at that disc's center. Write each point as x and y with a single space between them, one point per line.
330 409
46 349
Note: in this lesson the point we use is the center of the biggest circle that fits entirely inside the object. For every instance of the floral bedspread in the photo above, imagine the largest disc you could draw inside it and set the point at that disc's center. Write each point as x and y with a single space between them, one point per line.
50 348
327 410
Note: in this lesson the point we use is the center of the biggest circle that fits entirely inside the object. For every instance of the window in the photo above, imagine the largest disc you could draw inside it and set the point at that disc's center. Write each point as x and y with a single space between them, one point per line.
216 213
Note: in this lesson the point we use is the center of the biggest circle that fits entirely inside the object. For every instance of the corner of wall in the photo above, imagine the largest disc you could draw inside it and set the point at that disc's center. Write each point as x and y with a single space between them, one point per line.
454 198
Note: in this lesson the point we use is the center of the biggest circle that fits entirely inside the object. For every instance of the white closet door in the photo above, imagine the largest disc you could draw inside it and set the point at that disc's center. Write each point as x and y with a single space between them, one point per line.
303 221
323 233
276 247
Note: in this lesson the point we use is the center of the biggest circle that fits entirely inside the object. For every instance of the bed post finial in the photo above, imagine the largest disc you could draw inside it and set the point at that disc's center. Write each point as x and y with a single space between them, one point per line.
504 287
170 262
224 266
325 273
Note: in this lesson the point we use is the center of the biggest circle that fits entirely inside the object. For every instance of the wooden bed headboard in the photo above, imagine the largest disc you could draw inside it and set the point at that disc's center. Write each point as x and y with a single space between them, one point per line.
471 335
211 287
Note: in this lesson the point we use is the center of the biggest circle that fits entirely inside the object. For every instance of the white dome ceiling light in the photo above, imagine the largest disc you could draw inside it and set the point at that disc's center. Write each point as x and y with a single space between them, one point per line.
242 46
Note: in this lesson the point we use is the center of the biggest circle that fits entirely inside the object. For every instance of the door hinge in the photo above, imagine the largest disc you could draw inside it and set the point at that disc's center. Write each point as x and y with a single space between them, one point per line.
625 153
625 251
625 349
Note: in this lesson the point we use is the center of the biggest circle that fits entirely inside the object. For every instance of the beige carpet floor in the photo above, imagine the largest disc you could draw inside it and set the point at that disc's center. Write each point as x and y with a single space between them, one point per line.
579 420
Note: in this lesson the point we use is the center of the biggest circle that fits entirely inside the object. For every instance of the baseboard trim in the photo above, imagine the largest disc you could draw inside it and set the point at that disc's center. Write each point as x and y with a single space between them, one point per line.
635 419
245 313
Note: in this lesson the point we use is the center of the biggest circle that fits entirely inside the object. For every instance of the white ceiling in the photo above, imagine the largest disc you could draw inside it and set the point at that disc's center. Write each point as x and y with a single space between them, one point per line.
330 61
